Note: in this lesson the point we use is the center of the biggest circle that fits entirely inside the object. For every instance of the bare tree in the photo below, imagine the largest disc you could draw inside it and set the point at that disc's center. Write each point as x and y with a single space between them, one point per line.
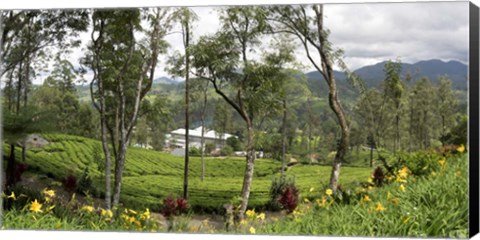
306 23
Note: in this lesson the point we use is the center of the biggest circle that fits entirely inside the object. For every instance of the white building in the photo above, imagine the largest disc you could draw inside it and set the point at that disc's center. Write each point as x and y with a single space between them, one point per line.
176 138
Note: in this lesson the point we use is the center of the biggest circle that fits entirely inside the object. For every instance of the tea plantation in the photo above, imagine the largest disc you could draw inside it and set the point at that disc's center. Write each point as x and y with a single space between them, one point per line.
149 176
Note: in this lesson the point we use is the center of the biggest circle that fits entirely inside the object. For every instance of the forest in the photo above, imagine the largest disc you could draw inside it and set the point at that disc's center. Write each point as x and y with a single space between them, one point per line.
376 151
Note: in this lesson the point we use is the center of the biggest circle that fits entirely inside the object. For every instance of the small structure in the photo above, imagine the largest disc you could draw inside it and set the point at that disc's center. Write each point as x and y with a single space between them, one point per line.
176 138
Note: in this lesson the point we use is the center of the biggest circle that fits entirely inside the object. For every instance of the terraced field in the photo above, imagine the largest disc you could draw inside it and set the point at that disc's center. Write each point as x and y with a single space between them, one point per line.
149 176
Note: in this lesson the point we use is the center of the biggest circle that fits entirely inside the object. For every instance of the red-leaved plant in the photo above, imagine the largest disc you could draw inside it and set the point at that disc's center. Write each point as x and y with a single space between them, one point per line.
70 183
378 176
173 206
289 198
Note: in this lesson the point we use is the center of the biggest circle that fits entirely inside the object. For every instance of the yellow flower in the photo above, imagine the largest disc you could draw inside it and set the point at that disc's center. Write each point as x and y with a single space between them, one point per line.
306 200
434 174
370 188
146 214
461 149
131 219
261 216
49 193
379 208
132 211
389 178
252 230
400 180
311 189
321 203
138 223
442 162
36 206
329 192
403 173
107 213
402 188
243 222
389 195
366 199
12 196
296 212
250 213
370 180
87 209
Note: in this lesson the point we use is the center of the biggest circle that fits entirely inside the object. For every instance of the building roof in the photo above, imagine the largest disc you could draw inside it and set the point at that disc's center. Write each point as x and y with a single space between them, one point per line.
197 132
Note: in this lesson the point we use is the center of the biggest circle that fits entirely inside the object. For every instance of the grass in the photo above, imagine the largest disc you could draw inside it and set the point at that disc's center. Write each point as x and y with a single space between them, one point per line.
434 205
431 200
149 176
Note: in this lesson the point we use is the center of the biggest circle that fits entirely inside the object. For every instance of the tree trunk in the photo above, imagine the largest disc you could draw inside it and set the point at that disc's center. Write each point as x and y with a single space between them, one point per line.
371 156
284 133
343 146
187 105
119 166
247 179
10 178
19 86
202 142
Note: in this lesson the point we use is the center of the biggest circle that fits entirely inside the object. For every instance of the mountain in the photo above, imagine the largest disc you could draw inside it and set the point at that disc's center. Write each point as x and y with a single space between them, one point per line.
165 80
456 71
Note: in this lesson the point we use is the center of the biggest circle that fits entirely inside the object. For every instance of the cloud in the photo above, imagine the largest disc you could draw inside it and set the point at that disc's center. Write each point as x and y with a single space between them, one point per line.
410 31
368 33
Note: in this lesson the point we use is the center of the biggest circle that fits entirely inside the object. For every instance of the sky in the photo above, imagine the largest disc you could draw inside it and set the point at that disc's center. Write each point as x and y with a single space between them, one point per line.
368 33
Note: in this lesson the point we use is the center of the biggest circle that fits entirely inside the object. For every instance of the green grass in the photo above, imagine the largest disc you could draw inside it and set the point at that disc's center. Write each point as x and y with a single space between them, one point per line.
431 206
149 176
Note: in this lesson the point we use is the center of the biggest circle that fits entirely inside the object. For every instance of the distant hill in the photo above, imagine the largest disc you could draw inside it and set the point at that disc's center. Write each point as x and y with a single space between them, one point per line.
373 75
165 80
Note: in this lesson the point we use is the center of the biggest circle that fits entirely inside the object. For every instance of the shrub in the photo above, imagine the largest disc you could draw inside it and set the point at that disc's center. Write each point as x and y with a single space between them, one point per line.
173 206
289 198
209 147
193 151
226 151
70 183
378 176
234 143
276 190
19 170
85 182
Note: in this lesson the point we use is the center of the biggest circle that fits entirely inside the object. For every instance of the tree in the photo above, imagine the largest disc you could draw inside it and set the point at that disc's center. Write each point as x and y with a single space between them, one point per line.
16 126
201 86
393 90
422 114
123 70
218 59
447 104
310 31
185 16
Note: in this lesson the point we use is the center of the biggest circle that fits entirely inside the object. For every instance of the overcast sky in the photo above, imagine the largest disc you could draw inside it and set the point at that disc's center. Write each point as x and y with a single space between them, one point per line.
370 32
373 32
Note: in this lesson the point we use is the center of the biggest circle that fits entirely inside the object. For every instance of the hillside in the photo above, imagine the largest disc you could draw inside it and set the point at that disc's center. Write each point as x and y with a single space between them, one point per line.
373 75
150 176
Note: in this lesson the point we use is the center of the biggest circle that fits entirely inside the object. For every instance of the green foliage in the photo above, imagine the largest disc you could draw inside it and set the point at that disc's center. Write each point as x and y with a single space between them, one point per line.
431 206
235 144
276 189
226 151
150 176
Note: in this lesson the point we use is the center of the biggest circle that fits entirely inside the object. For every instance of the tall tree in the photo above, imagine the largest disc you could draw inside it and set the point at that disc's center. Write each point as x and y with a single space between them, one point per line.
393 90
224 59
447 104
306 23
422 113
123 68
199 89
